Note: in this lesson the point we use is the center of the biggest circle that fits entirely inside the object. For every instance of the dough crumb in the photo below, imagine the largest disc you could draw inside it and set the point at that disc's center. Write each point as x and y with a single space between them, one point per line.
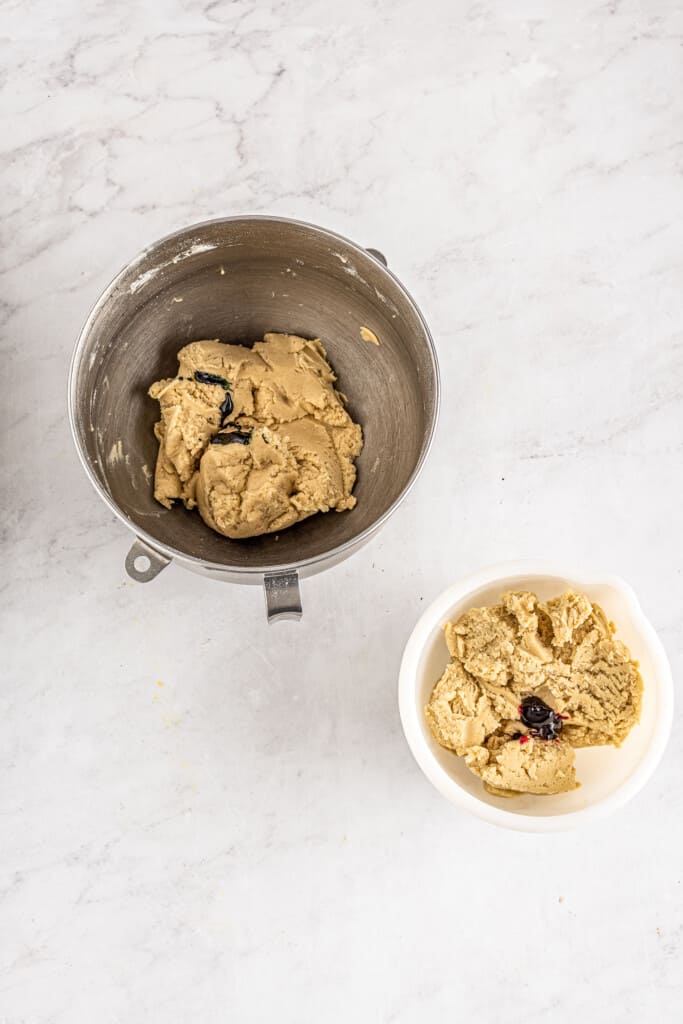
585 686
368 335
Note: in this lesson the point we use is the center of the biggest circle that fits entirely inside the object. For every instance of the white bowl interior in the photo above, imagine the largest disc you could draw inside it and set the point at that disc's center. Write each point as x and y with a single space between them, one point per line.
602 771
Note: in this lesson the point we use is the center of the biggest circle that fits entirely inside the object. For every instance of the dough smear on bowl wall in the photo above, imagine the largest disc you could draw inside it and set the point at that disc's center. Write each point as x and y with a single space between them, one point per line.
256 438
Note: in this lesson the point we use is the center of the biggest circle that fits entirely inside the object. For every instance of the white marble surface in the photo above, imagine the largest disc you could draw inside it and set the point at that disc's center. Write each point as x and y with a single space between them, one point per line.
252 840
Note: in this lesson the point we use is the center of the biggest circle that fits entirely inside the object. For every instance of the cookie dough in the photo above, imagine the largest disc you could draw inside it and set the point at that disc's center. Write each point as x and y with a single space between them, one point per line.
256 438
562 651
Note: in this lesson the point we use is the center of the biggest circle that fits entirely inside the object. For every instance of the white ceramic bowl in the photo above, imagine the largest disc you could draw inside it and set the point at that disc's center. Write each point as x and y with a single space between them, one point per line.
608 776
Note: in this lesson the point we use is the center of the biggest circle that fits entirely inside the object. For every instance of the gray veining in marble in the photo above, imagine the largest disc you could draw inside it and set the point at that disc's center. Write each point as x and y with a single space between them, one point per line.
251 840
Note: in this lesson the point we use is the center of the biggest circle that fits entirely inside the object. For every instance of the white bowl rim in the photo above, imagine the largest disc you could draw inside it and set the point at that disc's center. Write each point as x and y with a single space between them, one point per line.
437 613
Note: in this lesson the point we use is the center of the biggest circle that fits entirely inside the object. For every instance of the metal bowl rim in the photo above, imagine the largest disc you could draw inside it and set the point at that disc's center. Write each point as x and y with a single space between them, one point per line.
218 567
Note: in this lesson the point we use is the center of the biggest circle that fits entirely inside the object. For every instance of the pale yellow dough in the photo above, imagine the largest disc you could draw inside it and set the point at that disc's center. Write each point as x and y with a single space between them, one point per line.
562 651
302 441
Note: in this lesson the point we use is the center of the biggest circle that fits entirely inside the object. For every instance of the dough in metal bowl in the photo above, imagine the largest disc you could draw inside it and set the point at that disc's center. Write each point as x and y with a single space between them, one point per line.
256 438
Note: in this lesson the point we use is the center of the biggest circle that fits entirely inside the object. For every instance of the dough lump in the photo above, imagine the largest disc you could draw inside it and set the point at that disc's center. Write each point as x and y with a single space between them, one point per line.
562 651
255 438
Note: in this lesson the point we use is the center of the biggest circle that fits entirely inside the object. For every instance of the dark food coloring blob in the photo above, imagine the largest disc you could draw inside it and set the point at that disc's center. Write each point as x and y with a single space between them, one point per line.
541 719
226 408
234 438
210 378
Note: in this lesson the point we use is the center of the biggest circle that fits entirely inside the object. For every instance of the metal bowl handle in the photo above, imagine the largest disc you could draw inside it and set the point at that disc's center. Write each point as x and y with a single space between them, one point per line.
149 562
377 254
283 599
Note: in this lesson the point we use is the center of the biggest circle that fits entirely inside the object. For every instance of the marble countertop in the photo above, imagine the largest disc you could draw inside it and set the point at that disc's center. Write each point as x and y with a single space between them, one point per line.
206 819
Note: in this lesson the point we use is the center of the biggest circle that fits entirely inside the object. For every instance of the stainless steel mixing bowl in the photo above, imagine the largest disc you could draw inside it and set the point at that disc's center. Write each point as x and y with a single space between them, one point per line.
235 279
